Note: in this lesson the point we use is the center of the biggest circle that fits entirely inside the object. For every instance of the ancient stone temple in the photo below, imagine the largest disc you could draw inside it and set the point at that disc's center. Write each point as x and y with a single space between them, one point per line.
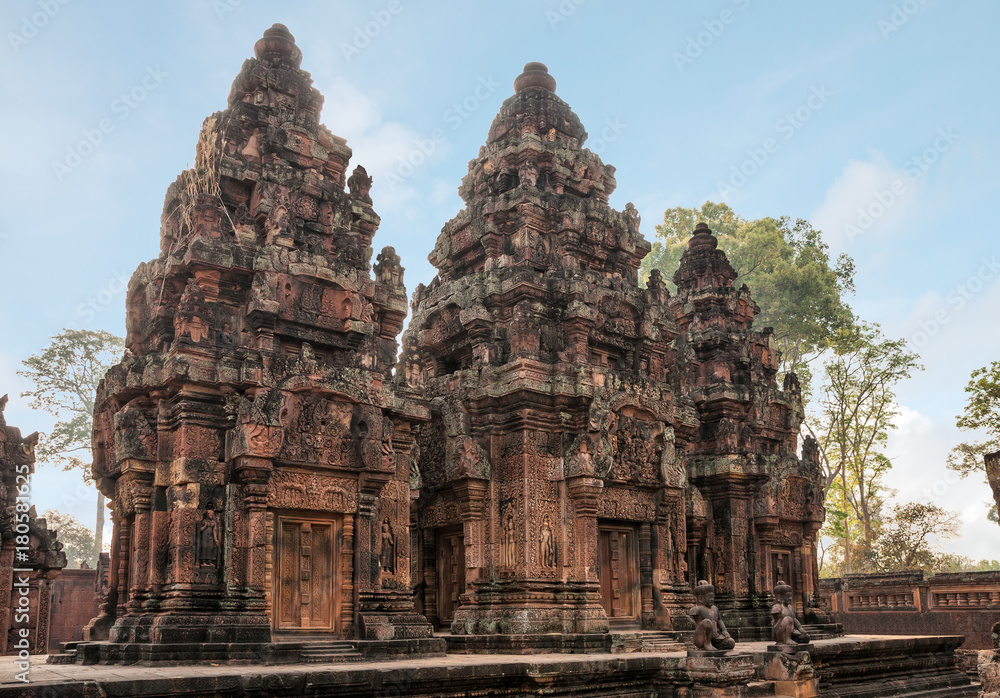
254 449
31 555
595 447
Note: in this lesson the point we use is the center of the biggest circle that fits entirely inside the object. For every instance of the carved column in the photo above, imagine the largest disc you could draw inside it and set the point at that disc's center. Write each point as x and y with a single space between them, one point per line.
249 528
471 493
646 574
99 628
366 558
124 544
142 493
584 491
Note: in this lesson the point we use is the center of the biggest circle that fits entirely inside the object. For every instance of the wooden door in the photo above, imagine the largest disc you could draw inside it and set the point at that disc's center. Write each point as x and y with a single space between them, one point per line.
308 593
618 573
450 573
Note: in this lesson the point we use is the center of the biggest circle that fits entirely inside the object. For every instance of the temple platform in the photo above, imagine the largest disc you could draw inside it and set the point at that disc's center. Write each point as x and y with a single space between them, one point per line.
858 666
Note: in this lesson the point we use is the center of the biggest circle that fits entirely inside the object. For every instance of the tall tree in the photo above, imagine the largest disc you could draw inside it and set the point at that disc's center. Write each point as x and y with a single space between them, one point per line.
800 290
909 537
65 378
851 420
77 539
982 413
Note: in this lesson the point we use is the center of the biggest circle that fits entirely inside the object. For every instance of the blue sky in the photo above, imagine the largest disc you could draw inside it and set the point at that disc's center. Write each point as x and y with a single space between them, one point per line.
876 120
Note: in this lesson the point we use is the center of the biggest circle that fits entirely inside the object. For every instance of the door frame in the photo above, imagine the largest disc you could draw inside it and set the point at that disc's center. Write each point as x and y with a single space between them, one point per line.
450 532
336 522
632 529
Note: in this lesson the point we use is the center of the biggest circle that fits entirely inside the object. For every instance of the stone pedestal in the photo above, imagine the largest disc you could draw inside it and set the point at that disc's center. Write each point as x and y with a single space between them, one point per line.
719 676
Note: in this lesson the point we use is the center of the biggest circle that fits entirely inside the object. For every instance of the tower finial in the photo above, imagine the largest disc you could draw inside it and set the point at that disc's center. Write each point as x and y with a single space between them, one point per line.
278 44
535 75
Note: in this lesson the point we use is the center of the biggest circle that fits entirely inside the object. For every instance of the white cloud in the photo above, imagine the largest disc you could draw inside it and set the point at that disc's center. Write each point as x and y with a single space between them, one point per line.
919 446
384 148
869 198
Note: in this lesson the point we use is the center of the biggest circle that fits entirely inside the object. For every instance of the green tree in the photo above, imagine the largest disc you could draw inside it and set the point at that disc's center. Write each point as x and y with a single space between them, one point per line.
982 413
65 378
909 536
787 266
77 539
851 420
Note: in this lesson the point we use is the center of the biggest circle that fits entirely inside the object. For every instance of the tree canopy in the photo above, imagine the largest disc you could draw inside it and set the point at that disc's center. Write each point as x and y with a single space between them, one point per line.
65 377
851 420
77 539
982 413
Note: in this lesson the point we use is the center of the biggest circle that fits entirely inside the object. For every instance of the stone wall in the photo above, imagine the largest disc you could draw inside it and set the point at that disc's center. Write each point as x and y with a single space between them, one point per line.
910 603
74 603
31 556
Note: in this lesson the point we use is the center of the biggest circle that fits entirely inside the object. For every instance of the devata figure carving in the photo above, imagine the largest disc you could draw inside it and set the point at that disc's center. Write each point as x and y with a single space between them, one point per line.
548 544
208 540
388 557
509 545
786 628
710 632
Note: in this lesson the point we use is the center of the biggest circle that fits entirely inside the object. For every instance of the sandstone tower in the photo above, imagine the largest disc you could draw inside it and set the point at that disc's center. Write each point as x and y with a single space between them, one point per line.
595 447
255 452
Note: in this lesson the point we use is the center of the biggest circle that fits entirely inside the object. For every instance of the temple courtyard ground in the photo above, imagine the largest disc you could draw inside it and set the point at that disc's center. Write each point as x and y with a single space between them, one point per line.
895 665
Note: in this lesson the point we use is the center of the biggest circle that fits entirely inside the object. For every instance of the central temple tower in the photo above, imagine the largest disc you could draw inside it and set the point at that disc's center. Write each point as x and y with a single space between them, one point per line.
594 446
552 496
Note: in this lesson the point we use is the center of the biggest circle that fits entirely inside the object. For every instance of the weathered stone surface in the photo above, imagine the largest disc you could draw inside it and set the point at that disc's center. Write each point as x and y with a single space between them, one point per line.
868 667
594 447
254 450
31 555
912 603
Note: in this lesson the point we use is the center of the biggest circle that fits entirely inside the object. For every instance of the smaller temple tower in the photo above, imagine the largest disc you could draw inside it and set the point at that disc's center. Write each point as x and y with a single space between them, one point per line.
756 508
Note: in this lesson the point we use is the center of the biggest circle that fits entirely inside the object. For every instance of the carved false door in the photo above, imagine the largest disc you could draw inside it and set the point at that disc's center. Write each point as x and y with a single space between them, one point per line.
308 591
450 573
781 566
618 573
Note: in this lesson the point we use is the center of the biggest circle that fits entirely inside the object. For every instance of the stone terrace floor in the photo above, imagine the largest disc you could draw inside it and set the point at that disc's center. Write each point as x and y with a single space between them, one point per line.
47 678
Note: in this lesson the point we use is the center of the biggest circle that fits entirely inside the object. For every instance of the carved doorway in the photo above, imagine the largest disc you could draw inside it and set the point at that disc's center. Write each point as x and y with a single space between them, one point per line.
308 590
450 573
618 572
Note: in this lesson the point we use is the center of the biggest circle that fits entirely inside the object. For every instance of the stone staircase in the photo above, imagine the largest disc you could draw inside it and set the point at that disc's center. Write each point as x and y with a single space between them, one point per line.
665 640
66 655
824 631
329 652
